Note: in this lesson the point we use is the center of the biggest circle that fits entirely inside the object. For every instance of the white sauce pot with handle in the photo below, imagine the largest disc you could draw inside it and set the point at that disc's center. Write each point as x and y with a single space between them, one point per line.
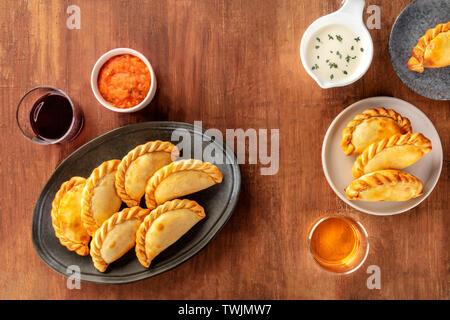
349 15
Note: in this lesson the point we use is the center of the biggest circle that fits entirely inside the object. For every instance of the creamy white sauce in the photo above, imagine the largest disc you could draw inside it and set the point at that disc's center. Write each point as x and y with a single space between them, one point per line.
334 53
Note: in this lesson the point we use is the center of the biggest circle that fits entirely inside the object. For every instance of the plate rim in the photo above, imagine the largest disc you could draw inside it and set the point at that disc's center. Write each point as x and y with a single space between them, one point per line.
397 72
348 109
146 273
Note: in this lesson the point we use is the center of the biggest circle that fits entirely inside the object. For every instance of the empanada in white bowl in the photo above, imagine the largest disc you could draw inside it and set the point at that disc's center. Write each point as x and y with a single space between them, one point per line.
338 167
371 126
395 152
385 185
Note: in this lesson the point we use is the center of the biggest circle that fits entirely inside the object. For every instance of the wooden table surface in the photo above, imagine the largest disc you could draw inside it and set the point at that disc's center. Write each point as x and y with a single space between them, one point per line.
231 64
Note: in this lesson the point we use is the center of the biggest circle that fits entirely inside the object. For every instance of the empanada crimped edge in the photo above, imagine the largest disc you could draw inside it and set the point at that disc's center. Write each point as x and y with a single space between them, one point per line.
417 139
100 234
415 63
154 214
151 146
381 177
87 216
178 166
80 248
347 133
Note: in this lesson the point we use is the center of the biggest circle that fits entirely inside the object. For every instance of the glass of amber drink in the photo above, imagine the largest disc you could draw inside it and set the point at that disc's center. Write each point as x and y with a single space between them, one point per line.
338 244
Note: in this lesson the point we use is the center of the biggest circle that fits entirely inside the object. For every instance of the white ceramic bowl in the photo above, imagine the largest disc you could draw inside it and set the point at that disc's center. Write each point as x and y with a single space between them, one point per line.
337 166
98 65
349 15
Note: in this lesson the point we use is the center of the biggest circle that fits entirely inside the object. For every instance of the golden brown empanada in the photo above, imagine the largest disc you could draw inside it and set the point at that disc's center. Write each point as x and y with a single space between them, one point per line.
371 126
178 179
138 166
100 200
66 216
432 50
385 185
164 226
116 236
396 152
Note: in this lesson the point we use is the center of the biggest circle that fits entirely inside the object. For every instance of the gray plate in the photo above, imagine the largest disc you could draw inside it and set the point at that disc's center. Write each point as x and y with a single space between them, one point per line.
411 24
219 202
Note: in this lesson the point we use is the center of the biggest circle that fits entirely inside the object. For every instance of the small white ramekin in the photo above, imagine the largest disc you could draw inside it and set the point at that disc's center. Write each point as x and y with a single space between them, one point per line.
98 65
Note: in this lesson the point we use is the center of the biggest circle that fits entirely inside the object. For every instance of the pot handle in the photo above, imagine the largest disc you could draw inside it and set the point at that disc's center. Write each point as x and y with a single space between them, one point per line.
353 7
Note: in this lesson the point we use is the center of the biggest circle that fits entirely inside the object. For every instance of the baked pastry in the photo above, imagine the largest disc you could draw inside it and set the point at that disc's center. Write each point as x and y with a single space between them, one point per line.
116 236
164 226
385 185
138 166
371 126
66 216
432 49
178 179
397 152
100 200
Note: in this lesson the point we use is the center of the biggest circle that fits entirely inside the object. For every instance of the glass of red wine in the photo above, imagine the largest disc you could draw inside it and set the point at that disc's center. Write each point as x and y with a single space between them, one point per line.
46 115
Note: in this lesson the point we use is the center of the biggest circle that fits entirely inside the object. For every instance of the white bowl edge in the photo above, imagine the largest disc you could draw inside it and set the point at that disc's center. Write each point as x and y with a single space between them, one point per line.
101 61
353 204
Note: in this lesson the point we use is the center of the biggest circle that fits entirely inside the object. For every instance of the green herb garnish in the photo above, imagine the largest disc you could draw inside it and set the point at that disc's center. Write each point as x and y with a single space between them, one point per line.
318 39
357 39
333 65
339 54
347 58
317 47
352 47
330 37
345 72
362 49
339 38
332 76
315 67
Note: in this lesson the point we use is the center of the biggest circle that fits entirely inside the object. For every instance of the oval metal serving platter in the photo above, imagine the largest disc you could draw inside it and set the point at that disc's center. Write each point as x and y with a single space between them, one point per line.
219 202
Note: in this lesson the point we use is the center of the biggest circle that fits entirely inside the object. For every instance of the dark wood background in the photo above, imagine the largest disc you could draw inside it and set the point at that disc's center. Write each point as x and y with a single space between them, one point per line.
231 64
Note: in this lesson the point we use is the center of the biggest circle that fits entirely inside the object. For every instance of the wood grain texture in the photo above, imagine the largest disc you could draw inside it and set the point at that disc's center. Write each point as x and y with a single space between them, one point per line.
231 64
